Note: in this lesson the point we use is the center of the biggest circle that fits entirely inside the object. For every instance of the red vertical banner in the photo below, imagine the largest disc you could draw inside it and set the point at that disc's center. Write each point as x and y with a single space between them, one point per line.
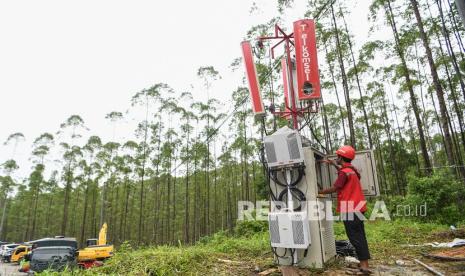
254 86
286 84
308 77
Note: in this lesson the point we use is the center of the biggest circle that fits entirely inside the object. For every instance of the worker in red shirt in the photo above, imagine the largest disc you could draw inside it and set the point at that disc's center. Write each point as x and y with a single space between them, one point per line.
351 203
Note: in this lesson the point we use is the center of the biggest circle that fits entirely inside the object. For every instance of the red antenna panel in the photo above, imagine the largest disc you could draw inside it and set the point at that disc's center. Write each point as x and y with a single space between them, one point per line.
308 77
254 86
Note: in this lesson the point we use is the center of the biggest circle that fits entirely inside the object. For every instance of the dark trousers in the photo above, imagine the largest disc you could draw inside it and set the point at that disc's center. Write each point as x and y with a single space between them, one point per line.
355 230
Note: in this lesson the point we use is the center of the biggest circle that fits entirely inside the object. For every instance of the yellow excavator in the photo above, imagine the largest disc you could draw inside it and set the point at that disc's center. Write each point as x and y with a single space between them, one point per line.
96 250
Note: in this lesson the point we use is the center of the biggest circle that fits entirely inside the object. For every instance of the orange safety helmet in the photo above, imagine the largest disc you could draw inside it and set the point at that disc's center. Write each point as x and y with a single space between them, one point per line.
347 152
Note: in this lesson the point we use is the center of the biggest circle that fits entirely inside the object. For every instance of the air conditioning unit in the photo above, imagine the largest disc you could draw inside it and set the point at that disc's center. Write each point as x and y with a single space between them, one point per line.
284 148
289 230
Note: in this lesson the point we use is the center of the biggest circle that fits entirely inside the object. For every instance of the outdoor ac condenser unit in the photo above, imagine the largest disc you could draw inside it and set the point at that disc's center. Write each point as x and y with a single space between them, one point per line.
289 230
284 148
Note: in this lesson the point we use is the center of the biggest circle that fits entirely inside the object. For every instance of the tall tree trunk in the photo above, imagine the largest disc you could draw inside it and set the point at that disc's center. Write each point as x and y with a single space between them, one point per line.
423 106
173 238
413 99
84 215
414 144
357 78
64 220
34 214
2 222
392 158
341 114
186 201
438 88
344 81
450 50
126 205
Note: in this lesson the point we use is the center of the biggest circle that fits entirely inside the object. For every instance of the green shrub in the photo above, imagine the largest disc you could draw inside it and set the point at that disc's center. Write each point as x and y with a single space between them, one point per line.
248 228
442 194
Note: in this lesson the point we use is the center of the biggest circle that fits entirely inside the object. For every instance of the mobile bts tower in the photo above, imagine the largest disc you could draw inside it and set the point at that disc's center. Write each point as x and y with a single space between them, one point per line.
300 233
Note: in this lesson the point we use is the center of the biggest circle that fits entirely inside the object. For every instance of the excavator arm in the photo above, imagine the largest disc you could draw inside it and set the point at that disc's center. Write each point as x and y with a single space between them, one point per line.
102 235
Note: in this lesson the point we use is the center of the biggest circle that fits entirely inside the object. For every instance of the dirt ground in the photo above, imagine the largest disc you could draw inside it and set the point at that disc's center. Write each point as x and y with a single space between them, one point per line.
9 269
408 267
380 265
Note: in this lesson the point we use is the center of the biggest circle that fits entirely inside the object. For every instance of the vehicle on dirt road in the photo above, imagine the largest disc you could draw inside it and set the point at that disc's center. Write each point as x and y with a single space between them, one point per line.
55 258
19 253
47 242
7 251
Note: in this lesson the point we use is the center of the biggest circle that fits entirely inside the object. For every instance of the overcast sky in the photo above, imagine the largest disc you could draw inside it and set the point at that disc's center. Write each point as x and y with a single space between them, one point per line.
59 58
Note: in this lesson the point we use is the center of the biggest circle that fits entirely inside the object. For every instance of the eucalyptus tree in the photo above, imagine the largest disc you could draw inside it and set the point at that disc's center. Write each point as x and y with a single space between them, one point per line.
345 85
330 58
146 98
15 139
241 142
208 74
404 71
71 156
216 120
35 180
51 195
41 147
449 45
227 164
73 125
89 168
156 137
167 156
379 102
129 151
437 86
9 166
185 156
355 72
107 156
114 117
7 183
443 61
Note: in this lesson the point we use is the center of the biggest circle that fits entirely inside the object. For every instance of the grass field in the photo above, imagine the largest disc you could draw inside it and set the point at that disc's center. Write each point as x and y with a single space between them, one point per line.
247 252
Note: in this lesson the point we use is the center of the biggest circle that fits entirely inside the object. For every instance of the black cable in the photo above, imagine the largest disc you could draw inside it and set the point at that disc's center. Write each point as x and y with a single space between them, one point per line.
274 177
296 193
292 255
261 157
318 140
264 126
308 121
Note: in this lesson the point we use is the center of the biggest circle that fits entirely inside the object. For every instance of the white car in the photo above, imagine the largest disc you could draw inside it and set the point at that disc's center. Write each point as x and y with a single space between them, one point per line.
6 250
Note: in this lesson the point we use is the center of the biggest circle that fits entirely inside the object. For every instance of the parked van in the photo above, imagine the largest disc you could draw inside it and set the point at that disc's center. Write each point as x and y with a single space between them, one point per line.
60 241
55 258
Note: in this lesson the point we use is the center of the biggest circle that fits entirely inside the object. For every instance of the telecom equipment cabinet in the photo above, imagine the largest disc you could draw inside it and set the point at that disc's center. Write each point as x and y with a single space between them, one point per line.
321 240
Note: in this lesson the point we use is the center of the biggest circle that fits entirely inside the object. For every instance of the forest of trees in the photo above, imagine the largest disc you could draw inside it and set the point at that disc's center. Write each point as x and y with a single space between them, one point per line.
401 94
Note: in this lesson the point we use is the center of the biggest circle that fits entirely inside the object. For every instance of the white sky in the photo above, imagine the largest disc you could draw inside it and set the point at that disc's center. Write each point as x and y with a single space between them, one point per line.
59 58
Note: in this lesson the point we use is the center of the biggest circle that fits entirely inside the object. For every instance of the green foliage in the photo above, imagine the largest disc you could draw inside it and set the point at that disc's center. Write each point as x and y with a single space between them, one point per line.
249 228
443 195
385 238
186 260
